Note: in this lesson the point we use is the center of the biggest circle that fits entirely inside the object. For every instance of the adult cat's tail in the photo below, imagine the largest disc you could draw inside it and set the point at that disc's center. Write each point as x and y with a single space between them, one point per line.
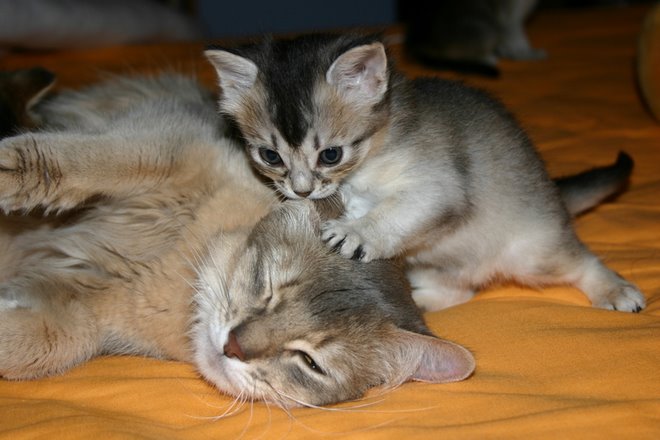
583 191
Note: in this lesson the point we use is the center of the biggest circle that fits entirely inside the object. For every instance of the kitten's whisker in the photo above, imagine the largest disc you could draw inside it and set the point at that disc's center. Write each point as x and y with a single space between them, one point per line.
309 428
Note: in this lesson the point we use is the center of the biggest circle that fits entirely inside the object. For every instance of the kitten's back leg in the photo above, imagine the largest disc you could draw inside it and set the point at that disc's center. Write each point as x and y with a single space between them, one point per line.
568 261
605 288
432 289
44 330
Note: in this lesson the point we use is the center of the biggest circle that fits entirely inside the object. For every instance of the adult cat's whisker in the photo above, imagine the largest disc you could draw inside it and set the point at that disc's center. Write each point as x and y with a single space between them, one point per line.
270 414
278 398
249 420
235 407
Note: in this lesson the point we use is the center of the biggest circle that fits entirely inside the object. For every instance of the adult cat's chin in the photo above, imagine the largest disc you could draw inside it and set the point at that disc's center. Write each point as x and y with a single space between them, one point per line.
216 368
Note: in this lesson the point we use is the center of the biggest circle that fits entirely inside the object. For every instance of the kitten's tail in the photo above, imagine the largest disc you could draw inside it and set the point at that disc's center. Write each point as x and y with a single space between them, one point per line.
583 191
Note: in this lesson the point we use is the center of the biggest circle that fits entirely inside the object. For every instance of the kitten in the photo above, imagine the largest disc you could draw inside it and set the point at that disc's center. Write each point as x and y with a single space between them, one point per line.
157 239
426 168
470 35
20 90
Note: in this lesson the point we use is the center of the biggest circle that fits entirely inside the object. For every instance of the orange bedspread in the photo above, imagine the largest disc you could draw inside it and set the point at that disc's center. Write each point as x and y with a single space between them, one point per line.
548 366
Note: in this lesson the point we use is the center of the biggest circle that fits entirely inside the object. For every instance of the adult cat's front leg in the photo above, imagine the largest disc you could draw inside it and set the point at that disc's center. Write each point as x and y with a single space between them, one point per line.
32 173
59 171
24 174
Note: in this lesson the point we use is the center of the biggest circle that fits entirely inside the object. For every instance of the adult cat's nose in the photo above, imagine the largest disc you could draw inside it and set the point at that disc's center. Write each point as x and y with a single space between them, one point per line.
232 349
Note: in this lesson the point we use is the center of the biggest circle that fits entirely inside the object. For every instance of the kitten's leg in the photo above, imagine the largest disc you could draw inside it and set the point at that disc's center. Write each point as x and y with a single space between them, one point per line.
387 228
432 290
40 337
59 171
570 262
605 288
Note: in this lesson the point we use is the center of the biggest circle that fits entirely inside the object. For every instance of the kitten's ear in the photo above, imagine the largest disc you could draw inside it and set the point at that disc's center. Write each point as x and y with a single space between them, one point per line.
360 73
236 75
435 360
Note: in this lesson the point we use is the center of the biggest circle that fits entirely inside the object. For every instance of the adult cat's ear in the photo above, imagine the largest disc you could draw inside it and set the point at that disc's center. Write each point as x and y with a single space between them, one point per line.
434 360
360 73
236 75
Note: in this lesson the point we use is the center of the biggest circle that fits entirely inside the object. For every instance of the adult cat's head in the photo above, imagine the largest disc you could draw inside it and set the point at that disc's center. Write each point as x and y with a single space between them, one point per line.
308 108
294 323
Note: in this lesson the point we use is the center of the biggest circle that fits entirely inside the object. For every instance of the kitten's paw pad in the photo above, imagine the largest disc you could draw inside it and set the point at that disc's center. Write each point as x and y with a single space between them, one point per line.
346 240
625 298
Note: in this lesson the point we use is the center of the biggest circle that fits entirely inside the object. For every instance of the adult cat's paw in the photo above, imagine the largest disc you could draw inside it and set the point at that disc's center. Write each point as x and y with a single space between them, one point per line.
25 173
347 238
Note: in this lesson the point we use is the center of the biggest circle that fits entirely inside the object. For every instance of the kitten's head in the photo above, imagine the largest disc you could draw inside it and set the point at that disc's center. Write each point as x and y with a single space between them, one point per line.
294 323
20 90
308 108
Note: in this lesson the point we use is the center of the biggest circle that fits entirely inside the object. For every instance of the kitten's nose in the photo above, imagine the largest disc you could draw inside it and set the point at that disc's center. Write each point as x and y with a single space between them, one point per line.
302 194
232 349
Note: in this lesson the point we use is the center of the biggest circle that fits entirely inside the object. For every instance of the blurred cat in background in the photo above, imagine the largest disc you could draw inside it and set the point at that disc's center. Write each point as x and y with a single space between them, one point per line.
468 36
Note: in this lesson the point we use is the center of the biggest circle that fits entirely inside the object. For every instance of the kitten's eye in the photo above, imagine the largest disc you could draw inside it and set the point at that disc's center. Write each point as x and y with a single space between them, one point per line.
271 157
310 362
330 156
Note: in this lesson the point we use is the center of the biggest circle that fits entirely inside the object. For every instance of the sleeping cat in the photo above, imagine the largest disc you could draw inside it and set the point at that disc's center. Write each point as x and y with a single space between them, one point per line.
426 168
152 236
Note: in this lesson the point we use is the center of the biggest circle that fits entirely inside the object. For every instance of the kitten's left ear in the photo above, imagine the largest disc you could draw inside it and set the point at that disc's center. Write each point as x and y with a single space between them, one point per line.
360 73
236 75
434 360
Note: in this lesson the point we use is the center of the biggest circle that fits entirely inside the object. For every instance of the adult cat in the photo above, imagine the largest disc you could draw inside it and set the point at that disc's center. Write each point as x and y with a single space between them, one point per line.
427 168
157 239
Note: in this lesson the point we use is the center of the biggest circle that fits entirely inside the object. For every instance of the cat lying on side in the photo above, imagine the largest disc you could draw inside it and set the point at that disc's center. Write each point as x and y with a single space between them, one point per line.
154 237
426 168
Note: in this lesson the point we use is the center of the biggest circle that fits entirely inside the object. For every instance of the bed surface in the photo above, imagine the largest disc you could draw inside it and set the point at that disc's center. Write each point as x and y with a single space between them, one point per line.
548 365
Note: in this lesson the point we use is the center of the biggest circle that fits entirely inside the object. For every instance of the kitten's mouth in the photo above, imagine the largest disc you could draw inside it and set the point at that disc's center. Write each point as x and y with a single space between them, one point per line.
313 195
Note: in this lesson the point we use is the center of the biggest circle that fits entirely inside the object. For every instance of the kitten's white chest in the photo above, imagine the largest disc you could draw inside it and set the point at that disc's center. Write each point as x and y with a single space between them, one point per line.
374 182
357 202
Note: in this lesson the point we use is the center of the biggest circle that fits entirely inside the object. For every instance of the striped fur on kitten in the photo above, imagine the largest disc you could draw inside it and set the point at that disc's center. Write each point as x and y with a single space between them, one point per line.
426 168
157 239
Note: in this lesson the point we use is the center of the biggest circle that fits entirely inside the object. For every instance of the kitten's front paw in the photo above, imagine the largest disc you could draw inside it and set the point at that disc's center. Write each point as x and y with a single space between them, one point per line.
348 240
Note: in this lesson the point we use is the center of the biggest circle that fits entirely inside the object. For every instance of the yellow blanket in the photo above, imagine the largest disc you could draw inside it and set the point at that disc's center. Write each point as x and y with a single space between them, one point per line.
548 365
